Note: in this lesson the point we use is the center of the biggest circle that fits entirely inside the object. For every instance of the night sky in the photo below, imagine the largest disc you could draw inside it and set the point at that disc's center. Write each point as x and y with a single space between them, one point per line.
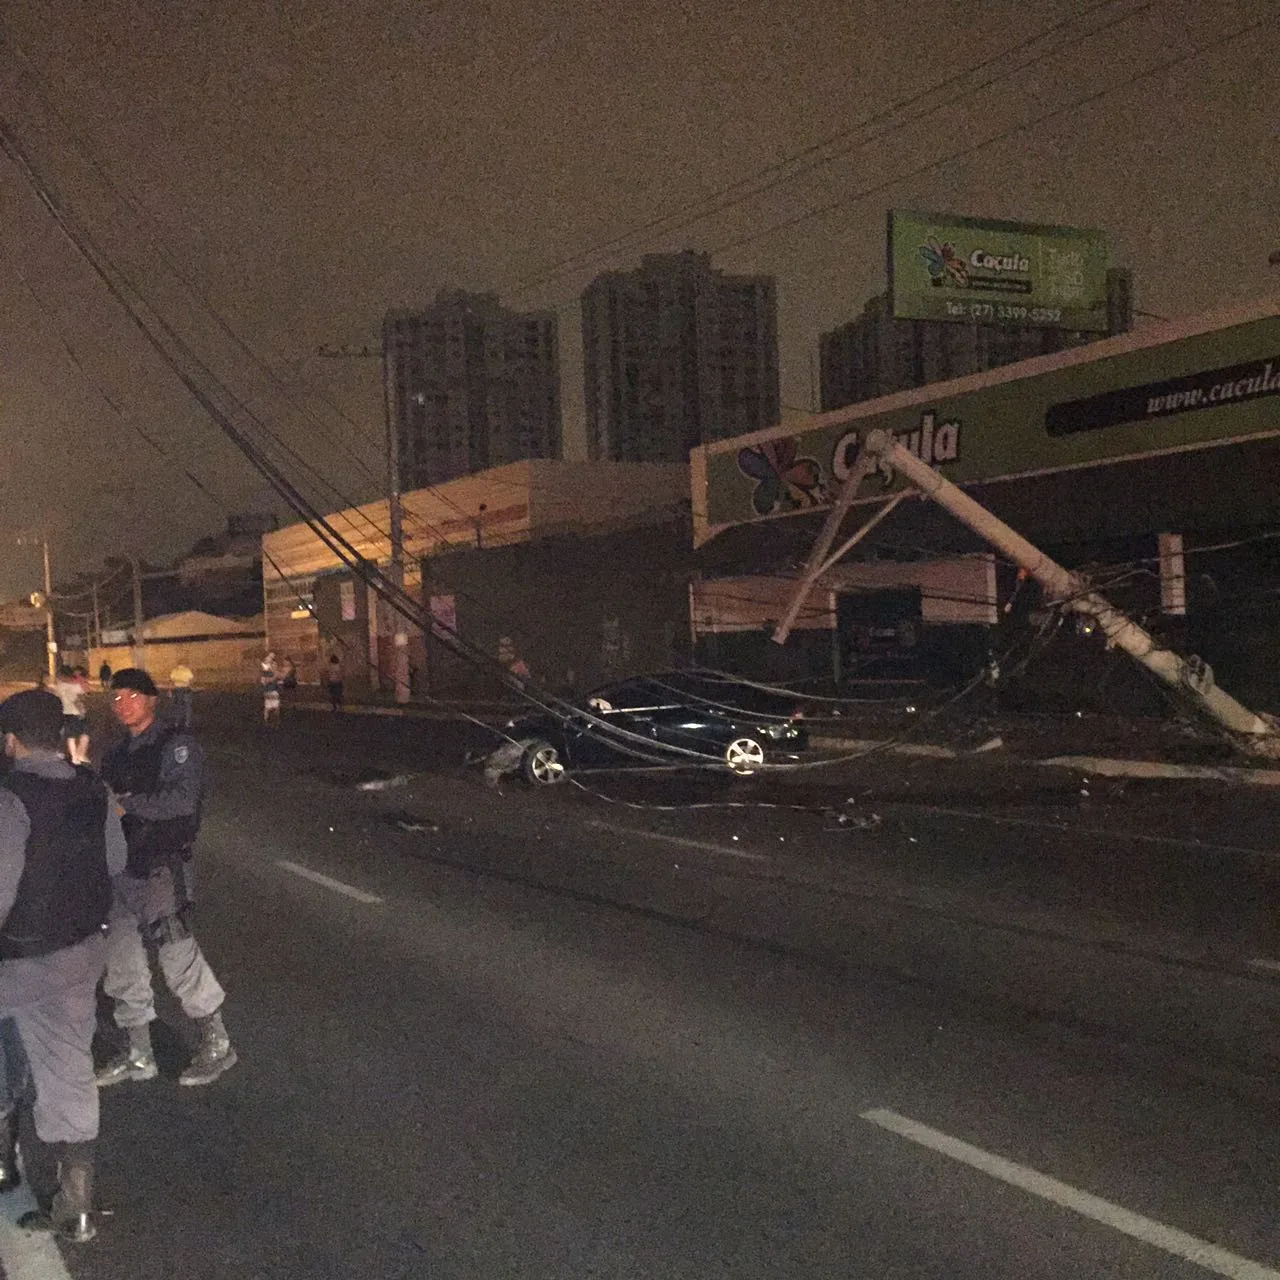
305 165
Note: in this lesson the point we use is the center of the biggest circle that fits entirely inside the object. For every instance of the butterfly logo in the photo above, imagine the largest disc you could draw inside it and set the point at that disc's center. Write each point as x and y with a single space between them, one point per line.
784 482
942 260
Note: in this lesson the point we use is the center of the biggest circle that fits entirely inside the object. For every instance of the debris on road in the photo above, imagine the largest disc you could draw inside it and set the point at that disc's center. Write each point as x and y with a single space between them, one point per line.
384 784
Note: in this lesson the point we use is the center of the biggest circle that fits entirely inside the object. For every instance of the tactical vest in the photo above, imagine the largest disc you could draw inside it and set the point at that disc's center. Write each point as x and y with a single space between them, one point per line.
64 893
152 842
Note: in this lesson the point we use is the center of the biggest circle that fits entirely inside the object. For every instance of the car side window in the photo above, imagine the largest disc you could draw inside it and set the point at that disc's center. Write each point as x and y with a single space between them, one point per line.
623 697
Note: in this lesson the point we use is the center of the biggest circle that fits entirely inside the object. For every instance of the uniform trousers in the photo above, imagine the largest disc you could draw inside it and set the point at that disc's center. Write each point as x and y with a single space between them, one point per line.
156 907
52 1001
181 702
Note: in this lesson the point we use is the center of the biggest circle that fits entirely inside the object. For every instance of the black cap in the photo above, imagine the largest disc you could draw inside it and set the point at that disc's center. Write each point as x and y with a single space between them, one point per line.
34 714
137 679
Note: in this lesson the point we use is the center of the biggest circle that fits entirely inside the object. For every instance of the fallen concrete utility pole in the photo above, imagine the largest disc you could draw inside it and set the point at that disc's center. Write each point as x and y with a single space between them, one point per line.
1192 676
819 561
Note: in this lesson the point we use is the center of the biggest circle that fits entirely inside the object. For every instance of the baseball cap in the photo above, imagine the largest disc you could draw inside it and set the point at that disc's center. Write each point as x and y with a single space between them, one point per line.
136 679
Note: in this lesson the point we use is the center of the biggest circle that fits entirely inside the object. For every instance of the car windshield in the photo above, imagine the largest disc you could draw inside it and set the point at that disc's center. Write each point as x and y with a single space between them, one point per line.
705 690
632 695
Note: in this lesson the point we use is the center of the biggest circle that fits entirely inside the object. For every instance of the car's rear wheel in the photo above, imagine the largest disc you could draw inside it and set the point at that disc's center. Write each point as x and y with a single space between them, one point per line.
541 764
744 756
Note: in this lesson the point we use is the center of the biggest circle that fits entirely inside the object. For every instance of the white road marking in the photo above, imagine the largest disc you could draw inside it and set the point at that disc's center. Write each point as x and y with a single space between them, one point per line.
683 842
1170 1239
1272 966
336 885
24 1255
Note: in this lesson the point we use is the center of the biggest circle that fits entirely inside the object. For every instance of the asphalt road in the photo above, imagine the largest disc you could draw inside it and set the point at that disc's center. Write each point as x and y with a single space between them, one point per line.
950 1029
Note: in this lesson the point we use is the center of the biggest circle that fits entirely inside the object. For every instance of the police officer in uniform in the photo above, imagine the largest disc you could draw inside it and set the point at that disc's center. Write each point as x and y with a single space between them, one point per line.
60 843
158 777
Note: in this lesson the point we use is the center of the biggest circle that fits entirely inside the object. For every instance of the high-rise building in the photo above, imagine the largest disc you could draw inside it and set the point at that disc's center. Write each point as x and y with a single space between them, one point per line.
675 354
472 385
876 354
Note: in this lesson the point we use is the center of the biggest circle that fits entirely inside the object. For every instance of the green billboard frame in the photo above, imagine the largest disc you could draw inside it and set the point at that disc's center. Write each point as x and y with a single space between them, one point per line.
1192 384
985 271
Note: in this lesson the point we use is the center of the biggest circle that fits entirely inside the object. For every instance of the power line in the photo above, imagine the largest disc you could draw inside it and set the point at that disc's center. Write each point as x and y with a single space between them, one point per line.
190 371
855 197
810 158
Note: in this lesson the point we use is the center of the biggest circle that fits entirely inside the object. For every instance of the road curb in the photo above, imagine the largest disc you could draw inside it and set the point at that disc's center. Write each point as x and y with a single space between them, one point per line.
1108 768
1102 766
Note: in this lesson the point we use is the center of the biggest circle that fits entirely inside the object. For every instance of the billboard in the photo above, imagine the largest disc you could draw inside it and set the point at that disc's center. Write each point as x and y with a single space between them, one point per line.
974 270
1138 395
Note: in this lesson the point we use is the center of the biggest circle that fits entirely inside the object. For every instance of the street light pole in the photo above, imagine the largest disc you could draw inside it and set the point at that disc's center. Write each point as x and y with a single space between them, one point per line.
51 635
400 638
44 599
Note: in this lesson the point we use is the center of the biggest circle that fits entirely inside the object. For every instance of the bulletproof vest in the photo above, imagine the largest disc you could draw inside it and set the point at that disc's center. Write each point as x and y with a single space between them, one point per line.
152 842
64 893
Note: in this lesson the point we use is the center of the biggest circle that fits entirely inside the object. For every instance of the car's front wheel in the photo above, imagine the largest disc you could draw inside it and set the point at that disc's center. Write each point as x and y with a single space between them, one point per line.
744 756
541 764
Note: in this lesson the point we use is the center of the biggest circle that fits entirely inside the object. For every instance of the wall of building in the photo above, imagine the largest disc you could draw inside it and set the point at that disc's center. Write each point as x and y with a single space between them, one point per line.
578 610
538 501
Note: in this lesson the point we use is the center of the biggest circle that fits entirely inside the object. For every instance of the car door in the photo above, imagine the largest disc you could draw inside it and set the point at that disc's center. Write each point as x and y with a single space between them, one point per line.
687 721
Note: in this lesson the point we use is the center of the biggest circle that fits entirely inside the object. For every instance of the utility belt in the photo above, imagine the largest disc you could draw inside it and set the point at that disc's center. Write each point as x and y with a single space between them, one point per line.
165 902
145 862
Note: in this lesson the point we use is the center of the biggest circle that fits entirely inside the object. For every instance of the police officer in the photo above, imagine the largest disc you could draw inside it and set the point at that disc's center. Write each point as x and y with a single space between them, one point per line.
60 842
157 775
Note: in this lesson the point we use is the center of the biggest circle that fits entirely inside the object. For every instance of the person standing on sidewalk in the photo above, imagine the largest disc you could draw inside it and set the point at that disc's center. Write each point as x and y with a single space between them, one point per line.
60 844
158 776
75 725
334 681
270 681
182 678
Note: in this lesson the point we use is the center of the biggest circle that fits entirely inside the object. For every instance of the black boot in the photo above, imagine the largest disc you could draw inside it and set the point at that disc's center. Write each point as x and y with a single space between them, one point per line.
69 1213
9 1151
214 1055
72 1211
39 1160
136 1062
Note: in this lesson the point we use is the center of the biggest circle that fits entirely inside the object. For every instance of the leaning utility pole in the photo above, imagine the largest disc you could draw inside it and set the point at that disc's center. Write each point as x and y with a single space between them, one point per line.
395 520
1191 676
139 653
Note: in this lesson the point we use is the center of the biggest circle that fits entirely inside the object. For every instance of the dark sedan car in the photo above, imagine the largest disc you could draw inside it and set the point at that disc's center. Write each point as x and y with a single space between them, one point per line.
674 718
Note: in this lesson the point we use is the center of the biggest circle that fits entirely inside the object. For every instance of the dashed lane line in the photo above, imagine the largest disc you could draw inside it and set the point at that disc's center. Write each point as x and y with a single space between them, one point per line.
682 842
1169 1239
1070 828
23 1255
348 890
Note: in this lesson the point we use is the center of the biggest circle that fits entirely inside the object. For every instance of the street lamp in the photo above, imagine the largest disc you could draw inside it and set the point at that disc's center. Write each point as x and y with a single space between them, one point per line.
44 598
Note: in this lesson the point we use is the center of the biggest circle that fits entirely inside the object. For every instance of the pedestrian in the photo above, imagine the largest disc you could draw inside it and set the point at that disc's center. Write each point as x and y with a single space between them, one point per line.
104 676
270 681
60 844
75 725
158 776
333 679
181 678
